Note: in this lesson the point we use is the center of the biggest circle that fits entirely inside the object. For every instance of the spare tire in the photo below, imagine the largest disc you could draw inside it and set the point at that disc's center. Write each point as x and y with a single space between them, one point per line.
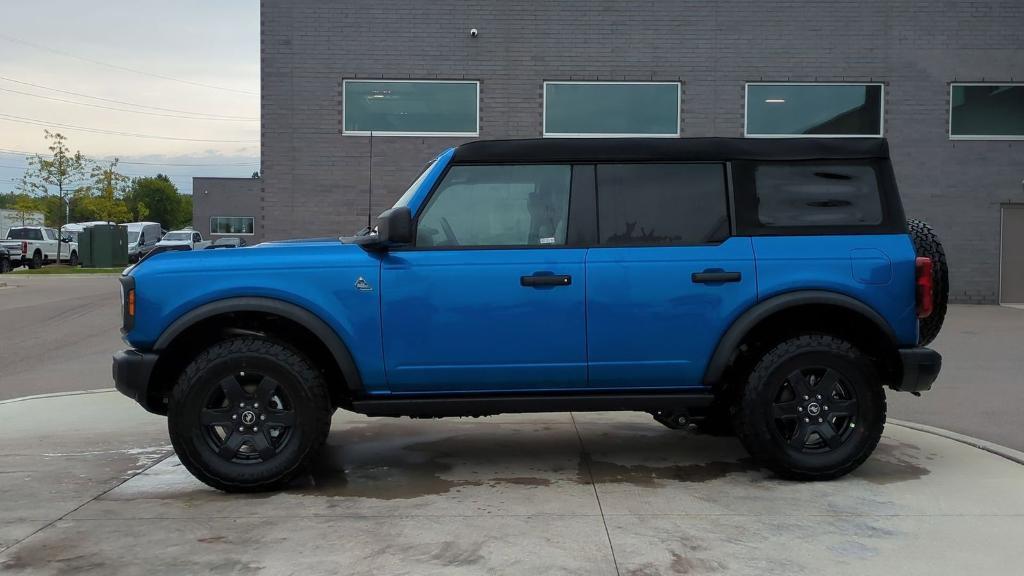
926 243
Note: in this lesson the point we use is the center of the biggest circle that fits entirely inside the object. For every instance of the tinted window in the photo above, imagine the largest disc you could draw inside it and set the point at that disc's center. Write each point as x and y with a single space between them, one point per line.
24 234
617 108
405 107
231 224
814 109
661 203
817 195
984 111
524 205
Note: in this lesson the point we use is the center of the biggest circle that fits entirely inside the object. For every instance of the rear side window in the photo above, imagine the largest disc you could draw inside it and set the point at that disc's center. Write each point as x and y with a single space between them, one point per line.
24 234
650 204
819 194
512 205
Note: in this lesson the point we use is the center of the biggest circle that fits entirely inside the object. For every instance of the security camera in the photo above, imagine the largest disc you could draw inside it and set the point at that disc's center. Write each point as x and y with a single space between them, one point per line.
473 33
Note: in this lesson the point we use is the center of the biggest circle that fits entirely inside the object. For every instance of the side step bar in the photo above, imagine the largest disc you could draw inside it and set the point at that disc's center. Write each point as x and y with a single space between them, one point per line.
433 407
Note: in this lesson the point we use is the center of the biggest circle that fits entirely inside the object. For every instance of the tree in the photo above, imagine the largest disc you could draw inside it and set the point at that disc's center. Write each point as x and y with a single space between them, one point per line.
61 169
155 199
103 200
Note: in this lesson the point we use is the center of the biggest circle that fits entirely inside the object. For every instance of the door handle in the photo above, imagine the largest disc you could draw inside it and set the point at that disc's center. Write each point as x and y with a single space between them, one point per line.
715 277
545 280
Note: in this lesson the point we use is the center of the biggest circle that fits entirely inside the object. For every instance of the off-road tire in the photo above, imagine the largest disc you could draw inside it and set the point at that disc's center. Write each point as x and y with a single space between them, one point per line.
37 261
300 381
757 428
926 243
73 259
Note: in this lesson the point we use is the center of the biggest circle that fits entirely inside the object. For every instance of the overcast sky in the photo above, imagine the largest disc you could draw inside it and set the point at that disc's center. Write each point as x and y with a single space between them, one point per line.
184 76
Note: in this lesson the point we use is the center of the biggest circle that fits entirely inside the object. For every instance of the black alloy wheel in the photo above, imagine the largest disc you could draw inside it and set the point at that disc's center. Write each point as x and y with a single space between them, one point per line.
814 410
248 414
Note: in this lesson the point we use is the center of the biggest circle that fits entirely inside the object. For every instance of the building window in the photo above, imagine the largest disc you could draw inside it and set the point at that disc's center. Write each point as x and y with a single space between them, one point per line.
813 110
241 225
650 204
986 111
598 109
411 107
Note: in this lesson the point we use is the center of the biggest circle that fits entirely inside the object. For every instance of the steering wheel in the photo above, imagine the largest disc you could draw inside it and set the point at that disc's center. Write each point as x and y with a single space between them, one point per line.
448 233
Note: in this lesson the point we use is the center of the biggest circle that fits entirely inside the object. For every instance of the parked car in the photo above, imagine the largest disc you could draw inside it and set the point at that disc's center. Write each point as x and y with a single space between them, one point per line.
190 238
38 246
142 237
6 259
768 287
226 243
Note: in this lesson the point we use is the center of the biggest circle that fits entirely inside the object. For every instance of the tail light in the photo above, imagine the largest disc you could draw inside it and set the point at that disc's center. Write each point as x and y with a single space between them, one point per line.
24 248
925 286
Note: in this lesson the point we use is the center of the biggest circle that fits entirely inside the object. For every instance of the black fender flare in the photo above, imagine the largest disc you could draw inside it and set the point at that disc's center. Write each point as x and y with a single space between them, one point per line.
730 341
292 312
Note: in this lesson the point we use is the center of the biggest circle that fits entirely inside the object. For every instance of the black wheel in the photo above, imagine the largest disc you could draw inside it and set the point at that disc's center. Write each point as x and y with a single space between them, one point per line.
73 260
5 266
811 409
926 243
248 414
37 261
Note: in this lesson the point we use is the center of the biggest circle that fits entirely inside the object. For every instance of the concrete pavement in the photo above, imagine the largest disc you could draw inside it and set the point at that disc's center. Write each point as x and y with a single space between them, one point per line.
85 490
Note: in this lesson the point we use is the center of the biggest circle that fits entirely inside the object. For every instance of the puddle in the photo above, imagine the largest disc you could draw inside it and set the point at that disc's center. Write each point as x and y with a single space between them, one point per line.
893 462
648 476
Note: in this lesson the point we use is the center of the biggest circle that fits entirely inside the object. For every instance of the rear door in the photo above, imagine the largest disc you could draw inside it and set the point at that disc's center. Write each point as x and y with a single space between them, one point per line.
491 297
666 279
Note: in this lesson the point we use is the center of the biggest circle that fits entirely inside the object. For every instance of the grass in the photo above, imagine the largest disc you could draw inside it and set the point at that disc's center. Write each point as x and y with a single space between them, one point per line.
65 269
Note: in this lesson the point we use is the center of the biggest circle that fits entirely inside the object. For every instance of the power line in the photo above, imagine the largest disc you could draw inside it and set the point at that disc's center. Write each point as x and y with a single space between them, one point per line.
124 68
45 124
79 94
178 164
122 109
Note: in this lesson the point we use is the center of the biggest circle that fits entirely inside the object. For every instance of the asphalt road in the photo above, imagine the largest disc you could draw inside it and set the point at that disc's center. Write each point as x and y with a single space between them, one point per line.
58 334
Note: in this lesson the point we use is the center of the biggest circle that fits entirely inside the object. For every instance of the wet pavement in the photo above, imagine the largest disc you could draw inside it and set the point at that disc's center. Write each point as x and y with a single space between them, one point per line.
88 485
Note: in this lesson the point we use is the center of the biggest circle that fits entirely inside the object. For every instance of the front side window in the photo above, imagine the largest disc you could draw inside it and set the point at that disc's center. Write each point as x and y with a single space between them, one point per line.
411 108
231 224
819 110
513 205
650 204
986 111
817 194
611 108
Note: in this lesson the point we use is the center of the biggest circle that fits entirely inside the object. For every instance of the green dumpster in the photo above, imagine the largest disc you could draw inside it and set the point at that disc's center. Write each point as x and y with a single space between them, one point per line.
103 246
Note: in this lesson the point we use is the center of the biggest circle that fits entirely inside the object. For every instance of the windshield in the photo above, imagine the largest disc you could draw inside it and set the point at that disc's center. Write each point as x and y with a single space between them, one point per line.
178 236
24 234
404 200
133 237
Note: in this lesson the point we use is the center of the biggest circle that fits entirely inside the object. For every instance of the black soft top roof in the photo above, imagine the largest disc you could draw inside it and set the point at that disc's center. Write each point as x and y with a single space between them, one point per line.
667 149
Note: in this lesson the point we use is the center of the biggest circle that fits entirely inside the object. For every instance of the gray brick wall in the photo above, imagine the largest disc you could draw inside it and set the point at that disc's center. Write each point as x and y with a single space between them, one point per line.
226 197
316 180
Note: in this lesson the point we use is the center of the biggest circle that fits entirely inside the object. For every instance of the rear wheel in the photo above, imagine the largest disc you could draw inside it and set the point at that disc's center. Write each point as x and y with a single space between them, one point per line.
926 243
248 414
37 261
811 409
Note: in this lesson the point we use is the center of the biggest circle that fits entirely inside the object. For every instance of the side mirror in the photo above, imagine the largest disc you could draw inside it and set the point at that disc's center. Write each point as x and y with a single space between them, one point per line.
394 226
67 240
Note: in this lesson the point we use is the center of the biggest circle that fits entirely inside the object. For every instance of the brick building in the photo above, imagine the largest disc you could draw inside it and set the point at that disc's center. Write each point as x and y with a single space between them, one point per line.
938 79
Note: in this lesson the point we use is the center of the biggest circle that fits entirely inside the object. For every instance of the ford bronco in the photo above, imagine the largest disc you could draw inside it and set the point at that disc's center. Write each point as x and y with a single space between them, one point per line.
767 288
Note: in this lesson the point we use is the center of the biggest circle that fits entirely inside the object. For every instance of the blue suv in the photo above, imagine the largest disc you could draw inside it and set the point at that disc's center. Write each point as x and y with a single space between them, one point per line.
767 288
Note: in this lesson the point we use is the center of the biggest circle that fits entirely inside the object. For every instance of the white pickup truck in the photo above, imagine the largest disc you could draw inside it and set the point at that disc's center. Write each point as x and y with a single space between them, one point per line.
189 238
37 245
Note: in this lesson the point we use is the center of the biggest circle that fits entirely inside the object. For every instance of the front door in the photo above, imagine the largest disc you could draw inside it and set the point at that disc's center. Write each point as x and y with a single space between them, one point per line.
666 279
489 299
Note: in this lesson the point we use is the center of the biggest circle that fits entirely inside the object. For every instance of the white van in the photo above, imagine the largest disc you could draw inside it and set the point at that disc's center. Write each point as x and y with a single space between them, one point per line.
142 237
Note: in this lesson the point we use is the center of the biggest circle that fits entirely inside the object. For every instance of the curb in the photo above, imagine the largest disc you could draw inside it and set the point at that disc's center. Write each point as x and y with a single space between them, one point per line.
55 395
990 447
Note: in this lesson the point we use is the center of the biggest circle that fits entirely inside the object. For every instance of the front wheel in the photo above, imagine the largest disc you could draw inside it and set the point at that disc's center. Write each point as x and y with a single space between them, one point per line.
811 409
248 414
73 261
